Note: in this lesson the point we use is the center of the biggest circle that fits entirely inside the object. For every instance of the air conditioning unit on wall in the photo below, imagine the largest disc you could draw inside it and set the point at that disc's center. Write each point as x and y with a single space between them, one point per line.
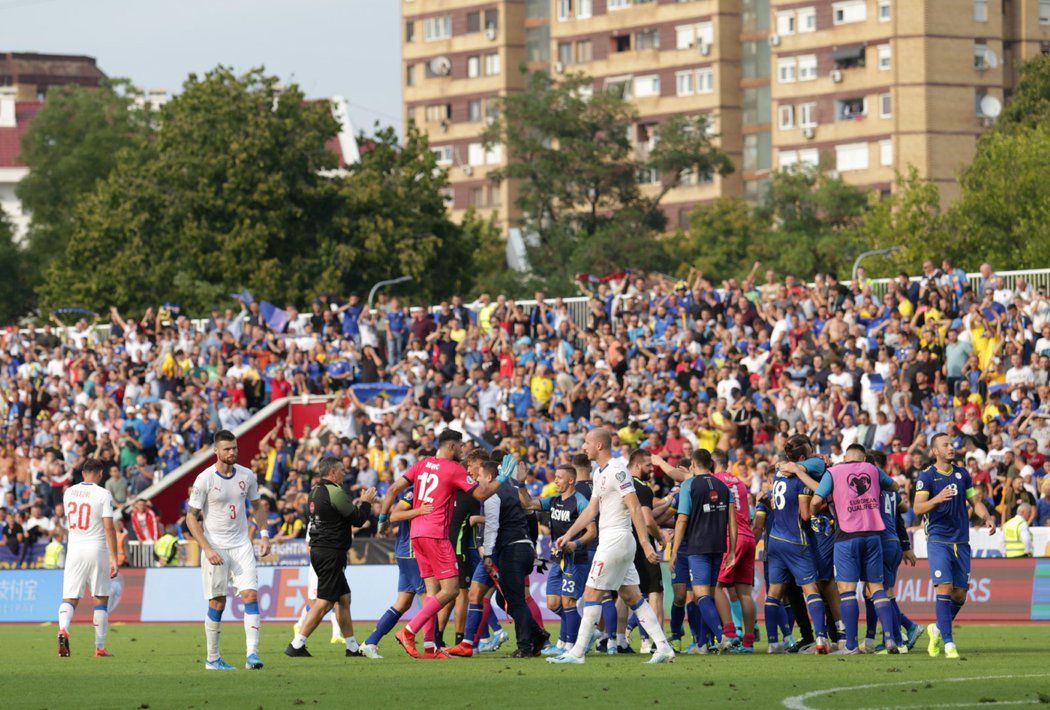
774 40
836 75
809 133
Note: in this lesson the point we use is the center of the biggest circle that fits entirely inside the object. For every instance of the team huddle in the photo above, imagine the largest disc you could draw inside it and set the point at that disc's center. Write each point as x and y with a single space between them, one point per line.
466 538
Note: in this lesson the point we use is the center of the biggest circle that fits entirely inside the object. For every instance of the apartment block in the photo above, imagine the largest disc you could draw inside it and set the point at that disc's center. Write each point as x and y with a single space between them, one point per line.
862 87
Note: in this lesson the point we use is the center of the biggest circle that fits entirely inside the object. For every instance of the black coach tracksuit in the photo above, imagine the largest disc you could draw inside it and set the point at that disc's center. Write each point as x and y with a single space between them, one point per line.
332 517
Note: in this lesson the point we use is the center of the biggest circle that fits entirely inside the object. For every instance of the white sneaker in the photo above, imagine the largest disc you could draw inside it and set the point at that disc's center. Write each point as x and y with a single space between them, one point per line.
724 645
774 648
823 646
646 647
566 658
370 650
662 657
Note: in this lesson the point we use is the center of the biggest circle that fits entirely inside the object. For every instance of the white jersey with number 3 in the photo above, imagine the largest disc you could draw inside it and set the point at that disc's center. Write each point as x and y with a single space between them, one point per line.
222 502
611 483
86 504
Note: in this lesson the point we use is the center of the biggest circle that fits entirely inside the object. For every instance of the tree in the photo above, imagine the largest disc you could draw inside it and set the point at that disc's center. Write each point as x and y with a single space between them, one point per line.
722 239
571 150
815 220
911 218
236 189
14 296
1003 216
71 145
1029 105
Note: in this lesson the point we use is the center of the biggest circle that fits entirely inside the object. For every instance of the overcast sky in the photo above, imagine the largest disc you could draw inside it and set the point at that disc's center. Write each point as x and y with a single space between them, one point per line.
329 47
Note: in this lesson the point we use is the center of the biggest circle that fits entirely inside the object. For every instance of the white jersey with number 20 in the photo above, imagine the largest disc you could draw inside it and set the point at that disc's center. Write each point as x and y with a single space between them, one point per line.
86 504
222 502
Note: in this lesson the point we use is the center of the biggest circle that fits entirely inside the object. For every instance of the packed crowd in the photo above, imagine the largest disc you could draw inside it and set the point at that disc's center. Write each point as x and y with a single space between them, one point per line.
670 365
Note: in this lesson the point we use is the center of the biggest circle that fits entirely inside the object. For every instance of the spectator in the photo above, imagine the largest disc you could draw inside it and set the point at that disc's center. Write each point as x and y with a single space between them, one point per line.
144 522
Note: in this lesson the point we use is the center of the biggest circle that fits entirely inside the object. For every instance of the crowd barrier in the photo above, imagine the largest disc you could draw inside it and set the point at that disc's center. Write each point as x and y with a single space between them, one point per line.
1000 591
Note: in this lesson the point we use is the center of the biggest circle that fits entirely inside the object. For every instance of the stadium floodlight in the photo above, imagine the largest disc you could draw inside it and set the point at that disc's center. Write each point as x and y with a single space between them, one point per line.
381 284
866 254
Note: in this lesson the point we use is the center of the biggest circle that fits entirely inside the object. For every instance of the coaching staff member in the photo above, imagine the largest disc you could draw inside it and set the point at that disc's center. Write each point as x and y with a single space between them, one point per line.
332 517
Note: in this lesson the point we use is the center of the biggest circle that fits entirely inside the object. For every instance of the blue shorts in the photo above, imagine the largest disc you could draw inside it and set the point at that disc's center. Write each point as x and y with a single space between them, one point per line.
703 569
949 562
680 570
408 579
859 559
786 561
481 575
562 579
824 557
892 554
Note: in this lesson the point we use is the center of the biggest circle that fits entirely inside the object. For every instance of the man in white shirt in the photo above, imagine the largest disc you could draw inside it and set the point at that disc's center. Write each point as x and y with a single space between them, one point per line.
91 558
615 503
1019 373
220 497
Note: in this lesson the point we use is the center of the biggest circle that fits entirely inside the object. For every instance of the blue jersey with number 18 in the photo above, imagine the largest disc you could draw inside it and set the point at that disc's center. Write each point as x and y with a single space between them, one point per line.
783 502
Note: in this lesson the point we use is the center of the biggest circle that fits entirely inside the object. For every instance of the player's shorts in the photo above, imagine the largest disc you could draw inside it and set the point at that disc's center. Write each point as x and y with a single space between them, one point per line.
949 562
237 570
311 582
468 562
680 570
743 569
859 559
703 569
823 551
86 566
787 561
330 565
613 565
481 575
435 557
650 576
408 579
892 554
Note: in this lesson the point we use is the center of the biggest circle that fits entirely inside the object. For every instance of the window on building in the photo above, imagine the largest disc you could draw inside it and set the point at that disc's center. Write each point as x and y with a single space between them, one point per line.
476 197
474 110
980 10
491 64
474 22
886 152
443 153
754 15
619 86
885 57
475 154
785 117
884 11
758 151
851 109
565 53
885 105
618 4
410 31
786 159
495 195
700 34
435 28
980 56
410 75
494 155
647 39
536 9
807 67
621 43
564 10
849 57
705 80
806 19
847 11
538 44
584 9
492 19
757 105
807 115
754 60
1044 12
492 110
584 51
851 156
473 67
809 157
647 86
683 81
787 70
436 113
786 23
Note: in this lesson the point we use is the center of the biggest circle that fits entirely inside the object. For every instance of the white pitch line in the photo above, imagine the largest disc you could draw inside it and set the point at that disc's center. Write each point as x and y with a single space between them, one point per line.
957 705
798 702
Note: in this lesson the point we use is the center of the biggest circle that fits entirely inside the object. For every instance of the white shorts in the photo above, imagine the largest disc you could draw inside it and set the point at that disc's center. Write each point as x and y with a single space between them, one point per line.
237 570
613 564
311 583
86 566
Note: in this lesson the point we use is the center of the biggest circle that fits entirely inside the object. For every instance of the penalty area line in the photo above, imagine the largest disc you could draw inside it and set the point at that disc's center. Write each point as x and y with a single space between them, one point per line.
800 702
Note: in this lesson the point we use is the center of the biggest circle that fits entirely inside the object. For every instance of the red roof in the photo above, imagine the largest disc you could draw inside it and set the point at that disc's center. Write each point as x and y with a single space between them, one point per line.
11 138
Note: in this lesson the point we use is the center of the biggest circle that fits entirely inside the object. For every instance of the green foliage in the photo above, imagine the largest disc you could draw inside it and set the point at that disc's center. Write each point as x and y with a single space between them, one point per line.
1029 106
236 189
73 144
721 240
14 296
911 218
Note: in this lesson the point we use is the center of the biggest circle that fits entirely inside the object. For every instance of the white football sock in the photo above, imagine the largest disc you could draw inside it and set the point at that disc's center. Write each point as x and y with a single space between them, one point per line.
352 645
101 621
65 615
588 620
302 615
299 641
212 629
647 618
336 631
621 639
251 633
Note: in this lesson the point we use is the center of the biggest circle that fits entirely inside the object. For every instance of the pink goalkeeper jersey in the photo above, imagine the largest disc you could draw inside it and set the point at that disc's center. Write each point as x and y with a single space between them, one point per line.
739 493
436 481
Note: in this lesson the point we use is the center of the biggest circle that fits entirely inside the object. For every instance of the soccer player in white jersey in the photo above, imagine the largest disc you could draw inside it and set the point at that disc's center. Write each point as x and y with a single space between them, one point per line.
615 503
219 497
92 556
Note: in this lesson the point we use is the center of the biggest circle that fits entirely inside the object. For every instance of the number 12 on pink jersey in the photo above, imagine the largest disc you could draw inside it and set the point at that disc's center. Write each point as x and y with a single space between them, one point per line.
427 483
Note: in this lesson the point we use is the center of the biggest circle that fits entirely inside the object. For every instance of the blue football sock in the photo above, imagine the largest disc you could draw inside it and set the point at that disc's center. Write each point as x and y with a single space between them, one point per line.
709 613
815 604
677 620
692 612
905 621
944 616
884 609
737 610
851 618
898 638
386 623
788 617
572 624
773 615
956 608
494 625
474 614
609 616
871 619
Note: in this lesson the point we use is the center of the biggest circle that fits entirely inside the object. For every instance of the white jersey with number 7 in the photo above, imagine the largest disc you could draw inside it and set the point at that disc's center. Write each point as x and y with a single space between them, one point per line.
86 504
222 502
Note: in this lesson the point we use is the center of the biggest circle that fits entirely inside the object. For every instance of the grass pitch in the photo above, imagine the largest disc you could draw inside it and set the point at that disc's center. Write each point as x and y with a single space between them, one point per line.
161 666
